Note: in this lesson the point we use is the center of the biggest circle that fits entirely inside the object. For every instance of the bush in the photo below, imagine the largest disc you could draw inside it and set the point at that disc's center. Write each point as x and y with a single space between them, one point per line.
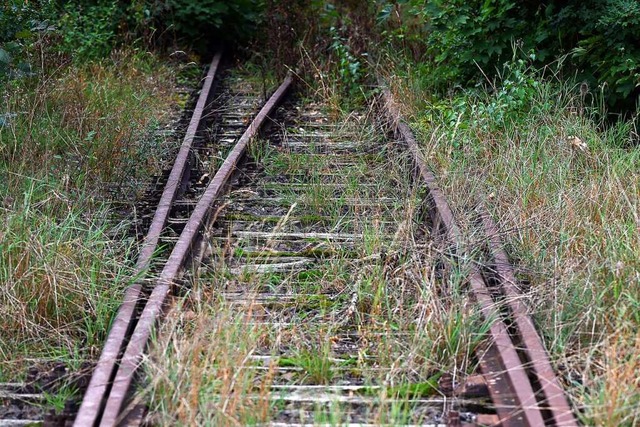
91 30
463 35
602 36
21 25
200 20
468 40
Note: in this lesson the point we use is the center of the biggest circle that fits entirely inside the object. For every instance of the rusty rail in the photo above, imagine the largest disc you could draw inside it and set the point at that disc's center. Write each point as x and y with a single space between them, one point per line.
506 374
530 343
129 333
153 309
100 383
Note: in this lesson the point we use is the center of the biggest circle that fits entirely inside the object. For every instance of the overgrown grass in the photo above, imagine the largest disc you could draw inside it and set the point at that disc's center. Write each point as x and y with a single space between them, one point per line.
565 189
365 311
87 125
70 142
62 269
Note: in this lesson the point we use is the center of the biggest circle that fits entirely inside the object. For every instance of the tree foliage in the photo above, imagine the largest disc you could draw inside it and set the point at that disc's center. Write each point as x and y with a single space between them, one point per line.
198 19
92 29
468 38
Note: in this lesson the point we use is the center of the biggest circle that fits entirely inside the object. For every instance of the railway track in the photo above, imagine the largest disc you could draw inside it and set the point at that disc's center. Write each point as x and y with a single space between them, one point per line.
322 239
514 364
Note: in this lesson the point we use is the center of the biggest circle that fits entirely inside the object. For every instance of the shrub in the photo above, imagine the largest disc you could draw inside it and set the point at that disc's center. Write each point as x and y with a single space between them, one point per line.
468 40
92 30
198 20
21 25
89 32
602 36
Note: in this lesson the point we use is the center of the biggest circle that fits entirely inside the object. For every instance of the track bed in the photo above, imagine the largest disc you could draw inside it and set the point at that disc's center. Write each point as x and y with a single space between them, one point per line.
320 270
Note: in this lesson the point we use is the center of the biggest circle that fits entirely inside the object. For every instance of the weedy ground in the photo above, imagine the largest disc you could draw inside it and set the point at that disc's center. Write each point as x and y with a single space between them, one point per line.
565 188
239 336
75 144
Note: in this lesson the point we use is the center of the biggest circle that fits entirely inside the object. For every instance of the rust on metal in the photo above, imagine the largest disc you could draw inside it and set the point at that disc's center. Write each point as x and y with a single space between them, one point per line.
473 386
170 273
506 376
441 214
99 384
487 420
445 384
509 385
453 419
554 397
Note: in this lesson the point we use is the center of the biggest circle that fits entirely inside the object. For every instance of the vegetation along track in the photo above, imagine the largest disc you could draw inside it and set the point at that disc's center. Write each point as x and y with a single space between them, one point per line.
323 243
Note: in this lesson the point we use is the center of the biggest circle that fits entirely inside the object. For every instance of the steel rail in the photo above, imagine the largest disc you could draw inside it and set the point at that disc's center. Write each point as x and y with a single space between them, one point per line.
507 380
172 269
507 377
99 385
554 397
439 209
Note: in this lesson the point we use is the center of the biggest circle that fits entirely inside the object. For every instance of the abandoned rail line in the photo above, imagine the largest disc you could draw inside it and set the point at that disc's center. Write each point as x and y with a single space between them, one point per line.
302 224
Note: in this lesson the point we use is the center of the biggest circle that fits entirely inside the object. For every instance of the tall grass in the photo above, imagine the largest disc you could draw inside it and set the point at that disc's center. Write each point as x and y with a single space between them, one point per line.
87 125
61 274
238 334
69 142
566 189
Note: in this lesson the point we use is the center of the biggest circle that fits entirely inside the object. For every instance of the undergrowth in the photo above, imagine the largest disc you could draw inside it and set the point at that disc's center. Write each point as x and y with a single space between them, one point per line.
462 42
565 189
73 142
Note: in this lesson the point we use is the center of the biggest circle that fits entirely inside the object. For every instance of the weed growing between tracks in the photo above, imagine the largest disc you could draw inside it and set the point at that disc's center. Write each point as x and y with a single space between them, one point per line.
366 312
70 141
566 195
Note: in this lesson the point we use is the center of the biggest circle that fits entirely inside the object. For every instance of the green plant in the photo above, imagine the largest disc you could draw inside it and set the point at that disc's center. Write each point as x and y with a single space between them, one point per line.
316 363
514 96
466 41
349 67
57 401
461 36
23 25
563 186
197 20
89 30
67 145
606 51
58 273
